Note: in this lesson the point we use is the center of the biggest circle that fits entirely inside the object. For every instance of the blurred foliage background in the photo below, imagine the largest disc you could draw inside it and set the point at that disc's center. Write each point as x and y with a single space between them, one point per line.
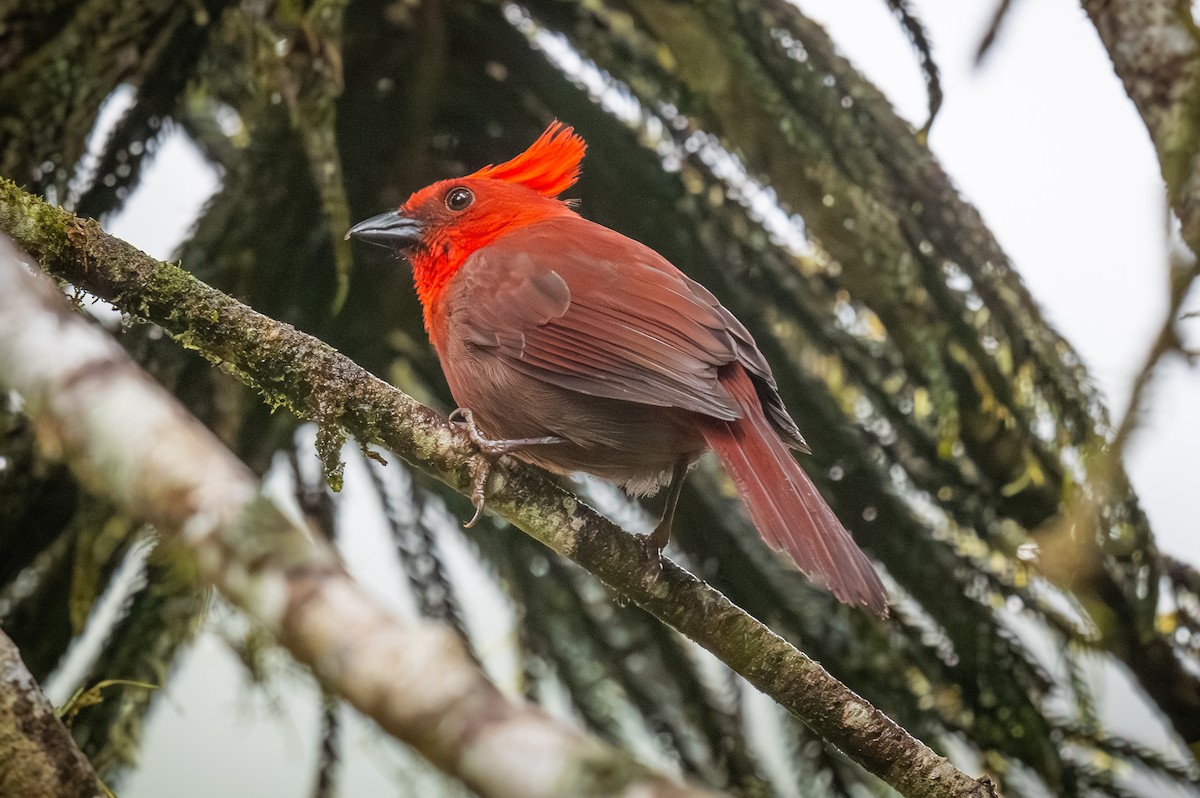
955 433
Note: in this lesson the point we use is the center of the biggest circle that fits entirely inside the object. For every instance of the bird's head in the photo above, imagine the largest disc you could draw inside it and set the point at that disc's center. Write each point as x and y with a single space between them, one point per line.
441 225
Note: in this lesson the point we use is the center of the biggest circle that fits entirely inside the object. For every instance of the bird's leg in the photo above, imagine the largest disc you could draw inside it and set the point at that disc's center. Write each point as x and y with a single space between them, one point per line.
661 536
491 450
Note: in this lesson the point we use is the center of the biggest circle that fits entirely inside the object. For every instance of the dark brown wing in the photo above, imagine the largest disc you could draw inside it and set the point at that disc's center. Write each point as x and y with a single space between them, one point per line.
578 306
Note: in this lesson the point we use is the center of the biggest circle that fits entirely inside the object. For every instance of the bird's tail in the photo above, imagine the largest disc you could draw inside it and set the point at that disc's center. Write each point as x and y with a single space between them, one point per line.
790 514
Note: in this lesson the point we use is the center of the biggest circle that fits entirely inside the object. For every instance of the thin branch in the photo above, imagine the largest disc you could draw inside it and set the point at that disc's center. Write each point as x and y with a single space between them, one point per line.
1165 342
1155 49
316 382
999 17
127 438
40 758
329 757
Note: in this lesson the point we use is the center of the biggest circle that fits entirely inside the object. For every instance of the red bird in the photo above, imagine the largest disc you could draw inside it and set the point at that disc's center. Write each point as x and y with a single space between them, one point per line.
578 349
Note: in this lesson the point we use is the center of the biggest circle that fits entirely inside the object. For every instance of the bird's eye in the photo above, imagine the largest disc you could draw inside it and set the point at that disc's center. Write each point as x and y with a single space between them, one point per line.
459 198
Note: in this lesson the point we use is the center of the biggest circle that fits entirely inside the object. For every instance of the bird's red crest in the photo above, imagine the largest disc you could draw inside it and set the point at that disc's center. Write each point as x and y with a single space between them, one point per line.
550 166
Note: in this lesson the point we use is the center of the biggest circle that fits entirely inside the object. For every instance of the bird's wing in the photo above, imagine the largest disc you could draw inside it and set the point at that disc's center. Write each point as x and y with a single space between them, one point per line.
578 306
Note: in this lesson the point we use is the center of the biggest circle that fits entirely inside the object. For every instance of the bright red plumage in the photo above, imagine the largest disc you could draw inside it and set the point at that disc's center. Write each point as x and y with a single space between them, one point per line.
785 506
551 326
550 166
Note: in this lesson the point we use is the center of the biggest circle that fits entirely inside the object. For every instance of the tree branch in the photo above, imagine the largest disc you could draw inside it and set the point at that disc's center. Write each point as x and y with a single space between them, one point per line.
1154 46
40 758
127 438
1155 49
314 381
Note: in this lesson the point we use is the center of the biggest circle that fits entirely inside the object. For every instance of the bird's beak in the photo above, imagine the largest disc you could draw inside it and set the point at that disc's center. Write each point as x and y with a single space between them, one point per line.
391 229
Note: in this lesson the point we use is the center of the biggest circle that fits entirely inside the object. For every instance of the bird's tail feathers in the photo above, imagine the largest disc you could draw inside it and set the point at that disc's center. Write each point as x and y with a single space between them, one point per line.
785 506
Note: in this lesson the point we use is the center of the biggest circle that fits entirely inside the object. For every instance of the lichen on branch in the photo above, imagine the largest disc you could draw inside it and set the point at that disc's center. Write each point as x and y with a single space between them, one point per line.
40 758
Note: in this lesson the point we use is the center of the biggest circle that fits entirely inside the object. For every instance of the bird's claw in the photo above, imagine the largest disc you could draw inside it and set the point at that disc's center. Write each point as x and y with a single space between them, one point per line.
466 418
654 544
479 491
660 536
490 450
483 467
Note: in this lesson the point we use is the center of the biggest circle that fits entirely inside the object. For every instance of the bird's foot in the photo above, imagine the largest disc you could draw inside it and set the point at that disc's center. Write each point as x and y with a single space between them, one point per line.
491 446
479 478
655 542
491 451
661 536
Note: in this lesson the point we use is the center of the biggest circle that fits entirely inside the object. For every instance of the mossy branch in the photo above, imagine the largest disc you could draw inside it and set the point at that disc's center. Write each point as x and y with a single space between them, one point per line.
314 381
40 758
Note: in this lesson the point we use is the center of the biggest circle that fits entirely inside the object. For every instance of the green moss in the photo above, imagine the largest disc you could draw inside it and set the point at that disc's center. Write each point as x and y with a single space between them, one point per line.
330 438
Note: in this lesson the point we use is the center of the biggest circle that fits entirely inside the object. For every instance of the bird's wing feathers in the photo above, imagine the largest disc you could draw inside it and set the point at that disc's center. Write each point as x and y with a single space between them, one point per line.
552 301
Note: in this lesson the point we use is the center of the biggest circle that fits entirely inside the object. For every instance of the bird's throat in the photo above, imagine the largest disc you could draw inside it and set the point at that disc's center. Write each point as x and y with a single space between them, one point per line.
432 272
